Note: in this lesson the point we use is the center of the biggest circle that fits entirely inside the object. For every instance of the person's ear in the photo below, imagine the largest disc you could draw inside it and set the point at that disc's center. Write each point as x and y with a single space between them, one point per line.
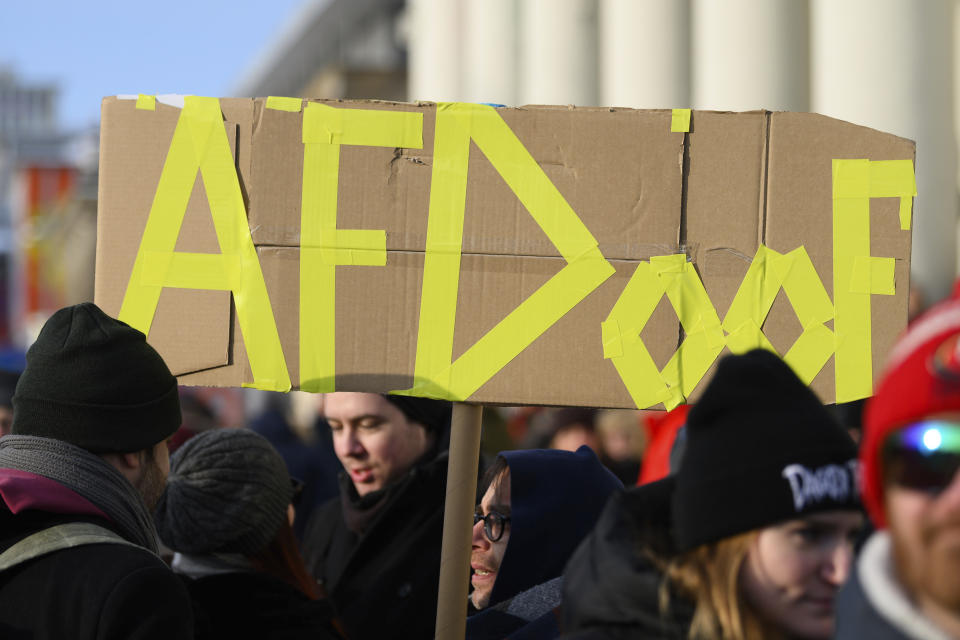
125 462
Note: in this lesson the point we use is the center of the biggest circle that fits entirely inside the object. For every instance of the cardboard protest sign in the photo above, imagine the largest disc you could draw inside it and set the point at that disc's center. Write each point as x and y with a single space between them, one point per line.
533 255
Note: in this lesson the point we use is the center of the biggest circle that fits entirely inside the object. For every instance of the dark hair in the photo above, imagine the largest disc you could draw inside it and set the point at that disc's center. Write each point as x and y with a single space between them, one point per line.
547 424
570 416
493 474
433 415
281 559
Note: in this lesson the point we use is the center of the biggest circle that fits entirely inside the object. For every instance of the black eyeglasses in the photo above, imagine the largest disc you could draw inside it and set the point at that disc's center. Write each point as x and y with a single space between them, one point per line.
493 523
924 456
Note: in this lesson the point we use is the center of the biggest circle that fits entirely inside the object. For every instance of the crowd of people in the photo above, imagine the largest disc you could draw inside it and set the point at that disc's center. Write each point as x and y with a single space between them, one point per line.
756 516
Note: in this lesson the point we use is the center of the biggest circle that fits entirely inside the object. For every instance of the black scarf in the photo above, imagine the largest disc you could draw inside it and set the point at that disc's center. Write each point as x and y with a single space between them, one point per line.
359 511
88 475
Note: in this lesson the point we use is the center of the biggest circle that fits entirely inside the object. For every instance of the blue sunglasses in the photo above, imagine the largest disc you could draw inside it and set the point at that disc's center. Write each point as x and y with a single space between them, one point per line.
924 456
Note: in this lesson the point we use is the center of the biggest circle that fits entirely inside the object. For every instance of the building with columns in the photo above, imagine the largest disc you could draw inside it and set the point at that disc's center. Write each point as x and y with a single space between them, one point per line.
887 64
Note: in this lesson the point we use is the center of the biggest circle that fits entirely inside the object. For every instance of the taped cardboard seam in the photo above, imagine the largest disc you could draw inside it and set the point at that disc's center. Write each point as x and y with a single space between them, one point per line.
704 339
682 227
764 177
873 274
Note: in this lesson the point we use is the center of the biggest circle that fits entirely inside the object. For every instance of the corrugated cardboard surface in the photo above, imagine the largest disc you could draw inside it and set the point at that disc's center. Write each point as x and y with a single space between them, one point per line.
798 206
133 148
735 181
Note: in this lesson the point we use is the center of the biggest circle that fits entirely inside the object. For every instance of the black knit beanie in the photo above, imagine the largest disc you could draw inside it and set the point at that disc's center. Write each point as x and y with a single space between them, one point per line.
434 415
8 384
94 382
760 449
228 491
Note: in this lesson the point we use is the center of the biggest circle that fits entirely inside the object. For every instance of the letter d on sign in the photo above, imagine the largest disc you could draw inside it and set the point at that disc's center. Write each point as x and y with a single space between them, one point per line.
434 374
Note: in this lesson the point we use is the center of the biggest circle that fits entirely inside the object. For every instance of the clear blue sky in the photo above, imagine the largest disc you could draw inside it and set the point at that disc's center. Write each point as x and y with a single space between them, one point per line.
95 48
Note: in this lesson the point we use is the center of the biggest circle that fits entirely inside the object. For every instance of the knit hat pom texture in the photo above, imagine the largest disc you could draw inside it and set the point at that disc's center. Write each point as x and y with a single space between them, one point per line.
228 491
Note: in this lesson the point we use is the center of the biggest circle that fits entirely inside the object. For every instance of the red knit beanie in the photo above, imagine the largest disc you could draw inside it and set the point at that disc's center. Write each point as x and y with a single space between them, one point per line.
922 378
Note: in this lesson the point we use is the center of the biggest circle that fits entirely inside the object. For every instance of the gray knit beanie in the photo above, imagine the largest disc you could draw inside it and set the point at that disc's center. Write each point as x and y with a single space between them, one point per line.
228 491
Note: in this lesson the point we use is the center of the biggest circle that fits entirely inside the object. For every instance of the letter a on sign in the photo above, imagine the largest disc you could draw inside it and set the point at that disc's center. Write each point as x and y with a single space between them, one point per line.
434 374
200 144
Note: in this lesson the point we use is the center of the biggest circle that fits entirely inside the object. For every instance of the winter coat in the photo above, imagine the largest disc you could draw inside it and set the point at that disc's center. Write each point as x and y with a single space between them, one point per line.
255 605
383 582
611 587
531 614
92 592
555 499
872 604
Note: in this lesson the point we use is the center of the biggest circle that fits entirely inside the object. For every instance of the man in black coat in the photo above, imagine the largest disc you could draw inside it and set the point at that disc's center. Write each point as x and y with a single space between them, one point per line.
376 548
85 463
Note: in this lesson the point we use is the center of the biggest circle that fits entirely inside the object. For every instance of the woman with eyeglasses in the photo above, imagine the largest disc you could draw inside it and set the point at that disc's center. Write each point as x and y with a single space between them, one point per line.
227 514
750 538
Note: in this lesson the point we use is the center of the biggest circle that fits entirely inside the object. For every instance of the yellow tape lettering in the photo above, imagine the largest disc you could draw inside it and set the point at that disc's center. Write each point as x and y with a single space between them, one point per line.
856 274
200 144
434 373
322 245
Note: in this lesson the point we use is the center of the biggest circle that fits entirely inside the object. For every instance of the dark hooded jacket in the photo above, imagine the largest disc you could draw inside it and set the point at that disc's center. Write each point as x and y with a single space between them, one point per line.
555 499
93 592
252 604
611 587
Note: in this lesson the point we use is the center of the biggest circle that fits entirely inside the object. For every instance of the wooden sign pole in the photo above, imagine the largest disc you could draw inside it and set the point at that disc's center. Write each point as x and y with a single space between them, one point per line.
458 521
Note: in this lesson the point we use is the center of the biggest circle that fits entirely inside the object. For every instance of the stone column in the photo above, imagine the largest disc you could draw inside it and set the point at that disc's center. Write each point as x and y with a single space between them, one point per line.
558 50
888 64
645 53
750 54
435 45
490 52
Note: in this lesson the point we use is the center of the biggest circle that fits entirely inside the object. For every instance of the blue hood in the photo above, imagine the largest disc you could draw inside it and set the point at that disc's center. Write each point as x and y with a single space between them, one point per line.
555 499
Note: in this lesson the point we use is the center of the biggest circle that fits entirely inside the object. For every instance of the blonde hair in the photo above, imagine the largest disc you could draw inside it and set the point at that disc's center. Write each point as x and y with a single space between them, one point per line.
709 576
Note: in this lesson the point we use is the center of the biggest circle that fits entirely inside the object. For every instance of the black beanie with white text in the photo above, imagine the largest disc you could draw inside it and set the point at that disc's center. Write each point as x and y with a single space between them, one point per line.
761 449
